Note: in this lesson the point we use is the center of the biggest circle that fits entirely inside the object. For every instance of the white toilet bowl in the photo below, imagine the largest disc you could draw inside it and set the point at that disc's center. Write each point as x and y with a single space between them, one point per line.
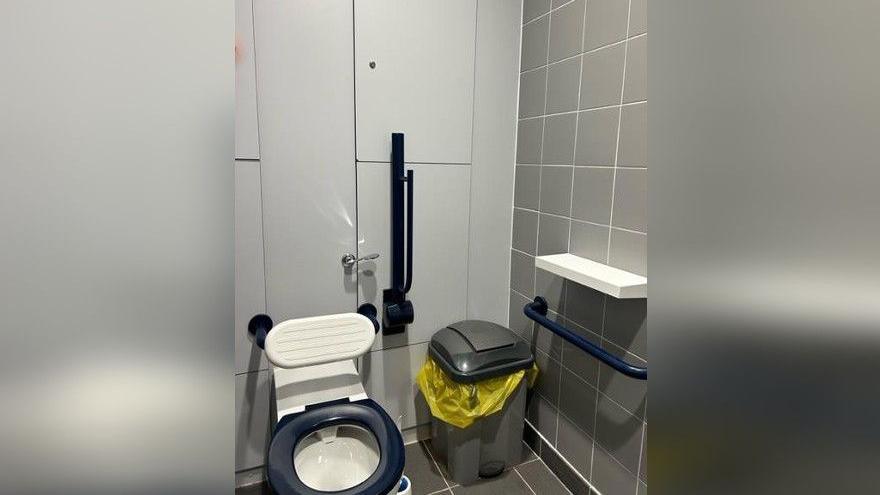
330 437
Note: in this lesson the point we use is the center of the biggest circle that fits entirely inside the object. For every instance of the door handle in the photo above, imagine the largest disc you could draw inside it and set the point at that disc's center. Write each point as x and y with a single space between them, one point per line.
349 260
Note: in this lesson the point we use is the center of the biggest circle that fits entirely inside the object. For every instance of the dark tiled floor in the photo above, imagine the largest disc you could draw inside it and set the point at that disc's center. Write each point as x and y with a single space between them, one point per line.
428 476
531 477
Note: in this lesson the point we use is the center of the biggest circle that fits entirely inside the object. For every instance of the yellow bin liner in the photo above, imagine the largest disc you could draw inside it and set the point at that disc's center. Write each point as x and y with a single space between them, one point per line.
461 404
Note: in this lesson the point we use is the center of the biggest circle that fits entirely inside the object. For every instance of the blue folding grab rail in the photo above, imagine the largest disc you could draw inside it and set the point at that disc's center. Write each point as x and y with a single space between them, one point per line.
537 311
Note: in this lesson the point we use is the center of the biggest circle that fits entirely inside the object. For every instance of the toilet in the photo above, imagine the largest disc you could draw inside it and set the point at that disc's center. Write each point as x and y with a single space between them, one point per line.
330 437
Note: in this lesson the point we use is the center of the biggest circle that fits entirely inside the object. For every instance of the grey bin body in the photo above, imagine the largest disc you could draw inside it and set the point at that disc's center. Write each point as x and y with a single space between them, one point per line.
468 352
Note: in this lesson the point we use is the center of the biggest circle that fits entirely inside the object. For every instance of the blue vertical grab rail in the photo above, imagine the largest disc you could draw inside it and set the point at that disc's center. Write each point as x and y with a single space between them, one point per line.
537 311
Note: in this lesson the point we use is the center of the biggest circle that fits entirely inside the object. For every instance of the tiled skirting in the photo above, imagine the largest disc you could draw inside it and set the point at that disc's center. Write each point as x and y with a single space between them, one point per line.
569 477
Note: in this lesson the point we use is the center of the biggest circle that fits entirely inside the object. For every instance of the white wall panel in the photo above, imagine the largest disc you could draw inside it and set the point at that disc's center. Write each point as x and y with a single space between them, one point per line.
495 99
306 108
252 418
390 379
423 81
439 291
250 287
247 141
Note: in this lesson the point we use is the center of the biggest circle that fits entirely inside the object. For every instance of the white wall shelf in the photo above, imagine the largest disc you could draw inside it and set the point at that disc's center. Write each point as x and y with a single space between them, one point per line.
612 281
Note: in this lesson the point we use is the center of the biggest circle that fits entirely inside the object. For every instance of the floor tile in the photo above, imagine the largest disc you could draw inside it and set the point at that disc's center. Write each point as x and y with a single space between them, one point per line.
422 471
541 480
508 483
528 455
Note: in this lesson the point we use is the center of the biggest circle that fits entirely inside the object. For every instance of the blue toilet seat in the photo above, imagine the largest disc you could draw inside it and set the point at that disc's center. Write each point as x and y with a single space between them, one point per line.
365 413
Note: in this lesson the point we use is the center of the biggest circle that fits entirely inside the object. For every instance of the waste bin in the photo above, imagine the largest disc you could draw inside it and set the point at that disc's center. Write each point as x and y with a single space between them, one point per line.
474 381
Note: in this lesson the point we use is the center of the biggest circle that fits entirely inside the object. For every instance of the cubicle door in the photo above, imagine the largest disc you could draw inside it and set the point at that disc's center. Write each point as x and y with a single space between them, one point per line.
305 81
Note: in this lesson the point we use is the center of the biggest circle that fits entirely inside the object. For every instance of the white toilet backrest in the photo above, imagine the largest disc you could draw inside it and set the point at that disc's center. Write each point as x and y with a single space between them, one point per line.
319 339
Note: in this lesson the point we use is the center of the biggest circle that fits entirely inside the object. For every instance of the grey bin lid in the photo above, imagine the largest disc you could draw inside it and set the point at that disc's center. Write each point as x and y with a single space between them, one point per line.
473 350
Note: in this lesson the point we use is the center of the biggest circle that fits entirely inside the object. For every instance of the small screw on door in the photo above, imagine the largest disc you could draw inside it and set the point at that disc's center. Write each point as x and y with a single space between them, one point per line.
372 64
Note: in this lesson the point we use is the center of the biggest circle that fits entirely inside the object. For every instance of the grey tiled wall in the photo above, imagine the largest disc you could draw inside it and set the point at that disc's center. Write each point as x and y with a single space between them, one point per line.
581 187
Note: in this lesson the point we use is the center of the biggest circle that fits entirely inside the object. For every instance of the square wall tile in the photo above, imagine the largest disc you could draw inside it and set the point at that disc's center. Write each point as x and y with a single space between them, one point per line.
633 149
522 273
609 476
534 44
638 17
584 306
534 8
643 464
636 87
518 321
596 137
589 241
552 288
563 80
547 382
627 392
525 230
527 186
542 415
606 22
585 366
619 433
559 131
577 401
631 199
529 134
566 30
602 77
547 341
556 190
552 235
592 194
575 445
531 92
573 482
626 324
629 251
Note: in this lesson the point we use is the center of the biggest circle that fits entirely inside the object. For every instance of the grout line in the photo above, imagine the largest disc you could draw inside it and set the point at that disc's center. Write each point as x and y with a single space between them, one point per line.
580 53
641 451
437 465
573 219
380 162
569 112
515 157
619 117
467 301
611 221
574 147
625 167
561 457
541 158
248 372
524 481
555 476
552 9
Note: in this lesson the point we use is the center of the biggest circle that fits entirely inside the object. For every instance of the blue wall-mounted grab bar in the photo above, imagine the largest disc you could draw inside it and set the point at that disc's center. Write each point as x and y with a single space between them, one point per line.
537 311
398 311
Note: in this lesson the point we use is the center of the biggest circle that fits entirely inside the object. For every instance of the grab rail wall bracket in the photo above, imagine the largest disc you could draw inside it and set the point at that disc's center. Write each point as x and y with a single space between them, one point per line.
259 327
537 311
